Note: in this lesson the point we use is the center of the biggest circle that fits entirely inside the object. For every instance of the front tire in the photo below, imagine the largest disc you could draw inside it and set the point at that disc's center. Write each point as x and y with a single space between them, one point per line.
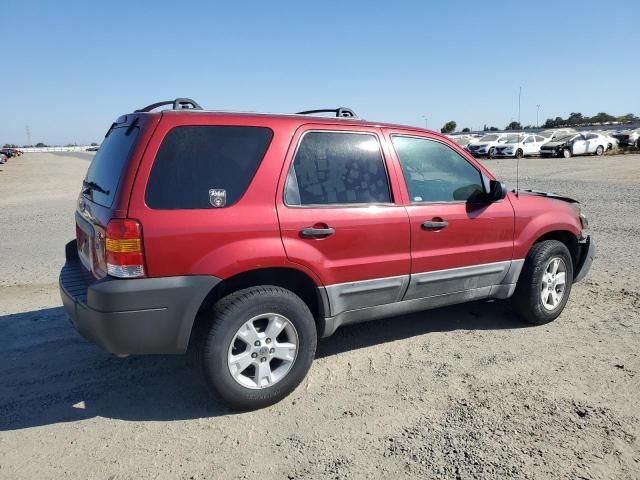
566 153
259 346
519 154
599 150
491 152
545 283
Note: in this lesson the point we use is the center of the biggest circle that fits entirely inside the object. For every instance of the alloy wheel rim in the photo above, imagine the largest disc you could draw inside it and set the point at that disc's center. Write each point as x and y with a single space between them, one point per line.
554 283
262 351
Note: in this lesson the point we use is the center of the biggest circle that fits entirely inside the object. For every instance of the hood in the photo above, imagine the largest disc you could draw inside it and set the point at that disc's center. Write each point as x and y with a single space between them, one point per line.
548 195
554 144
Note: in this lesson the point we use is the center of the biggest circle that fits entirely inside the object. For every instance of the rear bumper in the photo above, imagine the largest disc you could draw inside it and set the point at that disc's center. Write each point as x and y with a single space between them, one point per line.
137 316
588 253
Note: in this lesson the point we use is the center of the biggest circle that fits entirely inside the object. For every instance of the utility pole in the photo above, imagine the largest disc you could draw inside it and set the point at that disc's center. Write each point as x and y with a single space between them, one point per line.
519 95
537 115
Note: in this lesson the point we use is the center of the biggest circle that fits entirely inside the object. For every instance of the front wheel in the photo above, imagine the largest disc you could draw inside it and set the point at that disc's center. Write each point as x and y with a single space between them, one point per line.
259 347
491 152
566 153
599 150
545 282
519 153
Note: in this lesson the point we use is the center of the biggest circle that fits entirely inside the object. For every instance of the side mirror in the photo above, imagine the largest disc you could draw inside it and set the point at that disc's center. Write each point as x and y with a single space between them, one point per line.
497 190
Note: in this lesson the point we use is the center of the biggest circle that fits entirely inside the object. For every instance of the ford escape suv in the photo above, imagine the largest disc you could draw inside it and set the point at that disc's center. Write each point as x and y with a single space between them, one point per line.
264 232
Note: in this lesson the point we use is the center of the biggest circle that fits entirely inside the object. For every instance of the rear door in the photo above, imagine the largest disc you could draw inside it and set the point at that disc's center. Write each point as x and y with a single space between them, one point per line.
340 215
529 145
459 242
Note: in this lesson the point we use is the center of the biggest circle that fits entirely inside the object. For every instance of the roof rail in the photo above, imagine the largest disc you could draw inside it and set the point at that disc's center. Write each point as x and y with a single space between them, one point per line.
341 112
178 104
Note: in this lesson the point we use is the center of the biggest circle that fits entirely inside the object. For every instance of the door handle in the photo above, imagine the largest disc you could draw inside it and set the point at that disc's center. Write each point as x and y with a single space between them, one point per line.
434 225
311 232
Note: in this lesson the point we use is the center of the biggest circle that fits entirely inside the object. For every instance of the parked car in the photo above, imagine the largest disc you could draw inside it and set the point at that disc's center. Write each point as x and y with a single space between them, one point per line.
485 146
575 144
10 152
628 138
251 235
554 133
612 142
93 148
522 146
3 158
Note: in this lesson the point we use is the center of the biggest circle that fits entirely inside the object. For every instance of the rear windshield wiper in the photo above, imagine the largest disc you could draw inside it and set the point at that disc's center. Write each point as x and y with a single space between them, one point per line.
93 186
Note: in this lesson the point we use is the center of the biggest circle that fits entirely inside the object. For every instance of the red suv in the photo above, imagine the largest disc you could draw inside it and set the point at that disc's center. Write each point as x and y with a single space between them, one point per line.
269 231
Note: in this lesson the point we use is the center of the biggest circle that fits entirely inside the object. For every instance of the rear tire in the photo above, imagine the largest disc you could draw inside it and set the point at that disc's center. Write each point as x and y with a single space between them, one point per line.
541 294
599 150
519 153
239 334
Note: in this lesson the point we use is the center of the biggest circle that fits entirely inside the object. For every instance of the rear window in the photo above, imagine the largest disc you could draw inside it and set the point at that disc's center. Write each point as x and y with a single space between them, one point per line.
108 164
205 166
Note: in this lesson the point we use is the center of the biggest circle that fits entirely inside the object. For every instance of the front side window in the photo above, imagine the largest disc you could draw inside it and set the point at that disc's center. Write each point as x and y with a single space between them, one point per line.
332 168
201 167
435 172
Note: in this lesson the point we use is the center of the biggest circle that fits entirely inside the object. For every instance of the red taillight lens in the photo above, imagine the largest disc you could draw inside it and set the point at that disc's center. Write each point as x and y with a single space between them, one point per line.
125 256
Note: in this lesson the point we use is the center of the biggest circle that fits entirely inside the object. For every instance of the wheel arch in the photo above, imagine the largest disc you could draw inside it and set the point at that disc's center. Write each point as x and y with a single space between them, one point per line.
565 237
293 279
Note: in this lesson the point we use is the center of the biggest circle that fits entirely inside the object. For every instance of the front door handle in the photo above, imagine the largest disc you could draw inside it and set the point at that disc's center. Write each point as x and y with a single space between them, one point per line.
311 232
434 225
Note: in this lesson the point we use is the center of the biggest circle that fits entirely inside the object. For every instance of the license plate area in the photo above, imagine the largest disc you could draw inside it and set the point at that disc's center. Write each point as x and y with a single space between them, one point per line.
84 237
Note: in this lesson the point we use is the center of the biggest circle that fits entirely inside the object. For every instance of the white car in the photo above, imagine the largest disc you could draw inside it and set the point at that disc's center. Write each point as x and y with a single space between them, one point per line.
523 146
486 146
575 144
612 142
554 133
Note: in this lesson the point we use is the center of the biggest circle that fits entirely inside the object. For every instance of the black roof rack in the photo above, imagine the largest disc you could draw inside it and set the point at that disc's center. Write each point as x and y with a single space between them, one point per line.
178 104
340 112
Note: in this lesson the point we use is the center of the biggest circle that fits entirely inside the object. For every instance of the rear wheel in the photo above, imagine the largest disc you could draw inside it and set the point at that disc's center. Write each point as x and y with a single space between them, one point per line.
259 346
545 282
566 153
519 153
599 150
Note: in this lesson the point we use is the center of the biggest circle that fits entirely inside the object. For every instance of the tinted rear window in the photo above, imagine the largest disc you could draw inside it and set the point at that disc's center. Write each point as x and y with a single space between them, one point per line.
205 166
108 164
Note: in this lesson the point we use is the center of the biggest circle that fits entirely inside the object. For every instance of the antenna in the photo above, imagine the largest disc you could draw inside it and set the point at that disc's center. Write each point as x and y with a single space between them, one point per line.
517 175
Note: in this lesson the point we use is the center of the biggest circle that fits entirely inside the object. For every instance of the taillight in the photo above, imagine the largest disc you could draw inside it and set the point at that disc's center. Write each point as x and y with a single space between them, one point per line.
125 256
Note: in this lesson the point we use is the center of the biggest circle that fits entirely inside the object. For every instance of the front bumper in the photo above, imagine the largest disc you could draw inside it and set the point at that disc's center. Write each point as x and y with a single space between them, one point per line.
587 254
136 316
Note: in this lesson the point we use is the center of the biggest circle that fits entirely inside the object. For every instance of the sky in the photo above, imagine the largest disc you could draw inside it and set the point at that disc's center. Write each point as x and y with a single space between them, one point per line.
72 67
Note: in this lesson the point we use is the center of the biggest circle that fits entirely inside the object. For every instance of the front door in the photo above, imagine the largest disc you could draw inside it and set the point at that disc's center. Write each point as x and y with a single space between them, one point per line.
579 145
341 218
461 244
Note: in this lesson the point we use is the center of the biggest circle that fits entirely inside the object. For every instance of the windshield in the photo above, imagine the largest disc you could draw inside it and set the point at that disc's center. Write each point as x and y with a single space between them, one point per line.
563 137
489 138
107 166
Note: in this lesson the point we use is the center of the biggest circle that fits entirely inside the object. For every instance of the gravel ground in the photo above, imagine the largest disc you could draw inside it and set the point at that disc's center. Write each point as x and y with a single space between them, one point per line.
462 392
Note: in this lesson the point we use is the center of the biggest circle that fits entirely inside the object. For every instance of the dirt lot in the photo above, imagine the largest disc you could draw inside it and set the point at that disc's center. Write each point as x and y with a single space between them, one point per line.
462 392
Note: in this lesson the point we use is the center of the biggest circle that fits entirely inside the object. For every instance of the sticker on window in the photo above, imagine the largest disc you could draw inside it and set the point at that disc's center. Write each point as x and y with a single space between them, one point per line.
218 197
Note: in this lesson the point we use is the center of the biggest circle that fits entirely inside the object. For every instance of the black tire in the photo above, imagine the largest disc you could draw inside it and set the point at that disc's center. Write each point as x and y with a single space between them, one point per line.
519 153
599 150
490 152
526 299
566 153
228 315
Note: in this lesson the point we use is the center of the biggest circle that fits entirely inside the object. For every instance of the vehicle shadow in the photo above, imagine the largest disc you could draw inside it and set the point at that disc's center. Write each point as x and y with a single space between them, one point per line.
50 375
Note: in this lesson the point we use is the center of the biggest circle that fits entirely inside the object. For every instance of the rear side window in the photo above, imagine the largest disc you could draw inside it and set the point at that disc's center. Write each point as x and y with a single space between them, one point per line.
434 172
332 168
107 166
205 166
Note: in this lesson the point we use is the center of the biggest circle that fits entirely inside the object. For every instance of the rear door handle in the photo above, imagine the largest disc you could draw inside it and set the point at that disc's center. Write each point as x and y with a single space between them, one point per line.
311 232
434 225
